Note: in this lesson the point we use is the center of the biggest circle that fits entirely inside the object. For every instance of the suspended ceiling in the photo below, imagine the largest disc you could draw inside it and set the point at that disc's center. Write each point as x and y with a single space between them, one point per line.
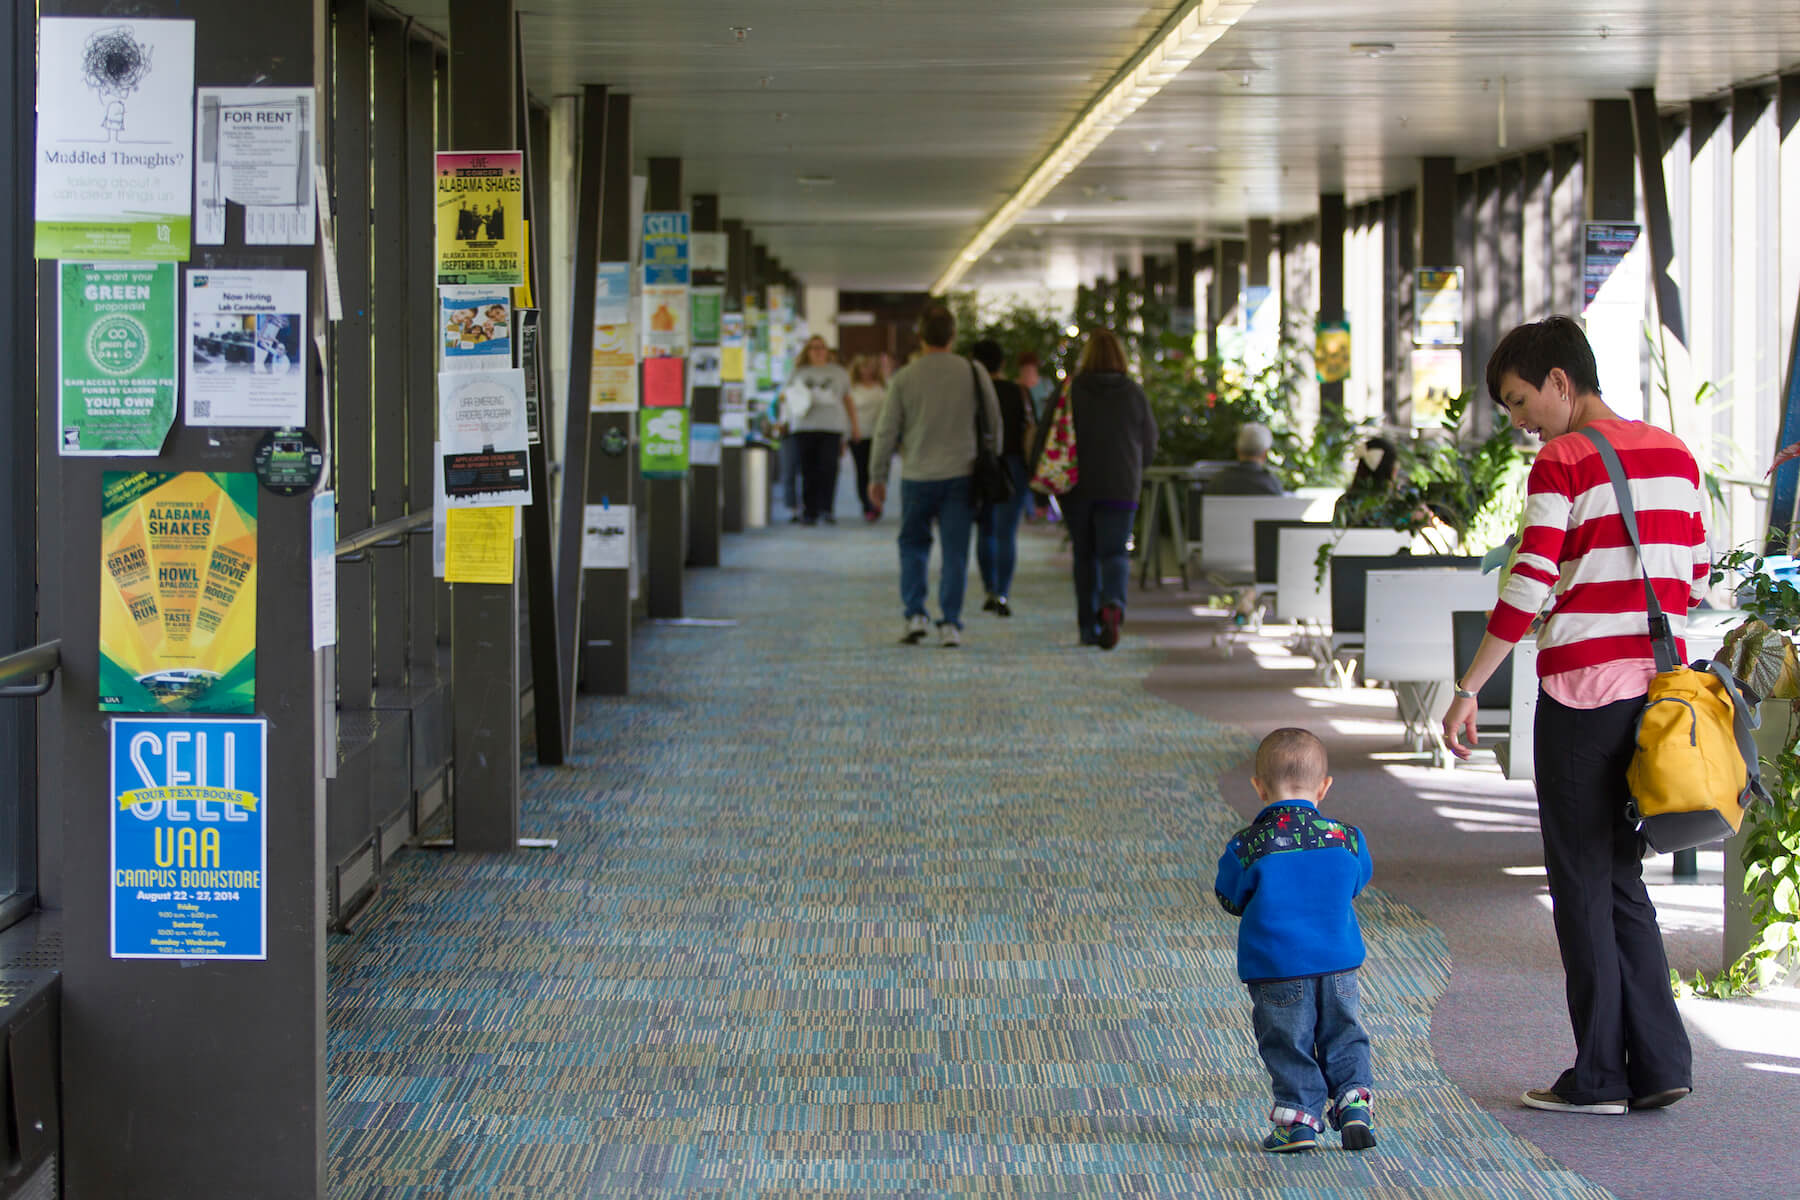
865 141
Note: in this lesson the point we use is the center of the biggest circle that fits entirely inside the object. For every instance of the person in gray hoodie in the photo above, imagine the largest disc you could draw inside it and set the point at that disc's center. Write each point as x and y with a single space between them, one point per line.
1115 438
930 418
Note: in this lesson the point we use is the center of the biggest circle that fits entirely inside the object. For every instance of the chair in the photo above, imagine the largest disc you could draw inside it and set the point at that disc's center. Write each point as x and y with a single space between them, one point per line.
1408 641
1349 593
1302 596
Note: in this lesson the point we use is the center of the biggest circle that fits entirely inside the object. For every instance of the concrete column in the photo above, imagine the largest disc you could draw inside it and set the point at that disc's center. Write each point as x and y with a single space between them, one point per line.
1331 279
1181 317
612 479
731 458
485 617
189 1076
705 515
667 499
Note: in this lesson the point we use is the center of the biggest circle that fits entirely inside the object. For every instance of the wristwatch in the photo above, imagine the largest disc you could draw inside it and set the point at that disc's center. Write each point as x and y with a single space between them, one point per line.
1462 693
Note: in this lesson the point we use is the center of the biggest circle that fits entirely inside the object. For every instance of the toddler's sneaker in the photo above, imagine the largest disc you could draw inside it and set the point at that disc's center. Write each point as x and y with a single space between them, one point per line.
1352 1121
917 626
1285 1139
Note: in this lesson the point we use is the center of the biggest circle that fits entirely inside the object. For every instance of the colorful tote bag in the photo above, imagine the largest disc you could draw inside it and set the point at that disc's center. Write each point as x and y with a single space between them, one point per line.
1057 470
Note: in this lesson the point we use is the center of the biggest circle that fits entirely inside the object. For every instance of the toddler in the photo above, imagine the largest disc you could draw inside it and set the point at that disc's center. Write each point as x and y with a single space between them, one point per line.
1291 876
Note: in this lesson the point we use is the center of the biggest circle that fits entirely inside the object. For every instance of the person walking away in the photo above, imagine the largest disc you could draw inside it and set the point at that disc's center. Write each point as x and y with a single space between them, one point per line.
930 416
1291 877
867 391
1041 390
997 525
1250 474
1115 439
819 431
1595 663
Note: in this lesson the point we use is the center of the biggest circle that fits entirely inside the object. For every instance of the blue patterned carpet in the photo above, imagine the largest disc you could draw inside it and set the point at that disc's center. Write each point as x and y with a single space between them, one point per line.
834 916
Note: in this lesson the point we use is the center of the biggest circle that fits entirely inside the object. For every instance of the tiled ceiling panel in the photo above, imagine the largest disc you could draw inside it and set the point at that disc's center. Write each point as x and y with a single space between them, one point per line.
925 114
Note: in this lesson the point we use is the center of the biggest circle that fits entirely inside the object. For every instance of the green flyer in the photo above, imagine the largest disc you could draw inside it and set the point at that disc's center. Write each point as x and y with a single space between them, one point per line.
116 361
708 303
663 442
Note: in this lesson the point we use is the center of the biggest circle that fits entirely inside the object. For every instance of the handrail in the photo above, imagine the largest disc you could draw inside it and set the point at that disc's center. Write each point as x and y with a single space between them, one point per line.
389 533
38 664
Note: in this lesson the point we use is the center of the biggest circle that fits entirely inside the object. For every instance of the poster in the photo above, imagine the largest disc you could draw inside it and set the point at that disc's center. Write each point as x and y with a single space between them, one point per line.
703 364
116 358
525 333
477 325
246 330
707 305
665 249
484 434
664 386
478 545
324 570
1436 381
115 135
440 513
177 592
190 838
734 428
703 444
1438 306
612 386
481 218
254 147
1604 248
663 442
1331 351
665 322
612 294
708 252
606 537
731 364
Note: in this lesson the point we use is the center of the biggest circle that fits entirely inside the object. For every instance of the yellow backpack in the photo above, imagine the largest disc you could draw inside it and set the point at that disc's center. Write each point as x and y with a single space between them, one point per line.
1695 769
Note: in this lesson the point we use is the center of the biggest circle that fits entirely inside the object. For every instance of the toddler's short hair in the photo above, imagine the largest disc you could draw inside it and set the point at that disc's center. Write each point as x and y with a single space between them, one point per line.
1291 758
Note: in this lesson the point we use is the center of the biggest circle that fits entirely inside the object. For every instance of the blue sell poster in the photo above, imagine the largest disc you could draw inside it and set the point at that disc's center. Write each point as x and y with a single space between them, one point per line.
665 249
190 844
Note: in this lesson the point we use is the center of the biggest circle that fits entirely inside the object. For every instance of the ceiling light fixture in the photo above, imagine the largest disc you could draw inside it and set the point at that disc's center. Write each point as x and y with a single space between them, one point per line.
1194 27
1371 49
815 180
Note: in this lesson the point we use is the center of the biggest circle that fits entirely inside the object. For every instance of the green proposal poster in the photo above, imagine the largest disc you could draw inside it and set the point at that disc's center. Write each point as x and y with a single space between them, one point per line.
663 442
116 359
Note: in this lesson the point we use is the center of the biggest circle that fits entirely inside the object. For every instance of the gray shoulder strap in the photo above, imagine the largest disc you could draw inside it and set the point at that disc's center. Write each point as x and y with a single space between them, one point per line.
1662 638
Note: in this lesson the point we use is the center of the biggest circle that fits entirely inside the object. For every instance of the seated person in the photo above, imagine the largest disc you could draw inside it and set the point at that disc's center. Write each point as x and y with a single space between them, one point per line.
1250 474
1371 485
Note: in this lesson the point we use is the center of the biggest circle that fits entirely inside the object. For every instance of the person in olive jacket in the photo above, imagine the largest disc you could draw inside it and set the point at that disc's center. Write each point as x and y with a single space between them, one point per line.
1115 438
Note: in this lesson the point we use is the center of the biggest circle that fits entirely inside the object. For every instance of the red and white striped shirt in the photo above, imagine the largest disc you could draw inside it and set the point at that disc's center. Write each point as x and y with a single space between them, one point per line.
1594 646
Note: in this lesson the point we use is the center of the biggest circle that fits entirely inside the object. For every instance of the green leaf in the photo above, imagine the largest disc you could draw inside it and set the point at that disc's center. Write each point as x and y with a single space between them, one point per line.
1786 898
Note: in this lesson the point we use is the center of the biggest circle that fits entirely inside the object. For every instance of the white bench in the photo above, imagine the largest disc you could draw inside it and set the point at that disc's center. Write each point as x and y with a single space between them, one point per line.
1410 644
1228 528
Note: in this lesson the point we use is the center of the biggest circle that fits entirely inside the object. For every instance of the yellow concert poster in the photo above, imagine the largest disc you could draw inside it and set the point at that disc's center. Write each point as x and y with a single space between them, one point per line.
178 592
481 218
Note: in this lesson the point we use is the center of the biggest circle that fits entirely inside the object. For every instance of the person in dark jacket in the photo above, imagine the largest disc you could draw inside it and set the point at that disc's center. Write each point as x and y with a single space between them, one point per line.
1115 437
997 525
